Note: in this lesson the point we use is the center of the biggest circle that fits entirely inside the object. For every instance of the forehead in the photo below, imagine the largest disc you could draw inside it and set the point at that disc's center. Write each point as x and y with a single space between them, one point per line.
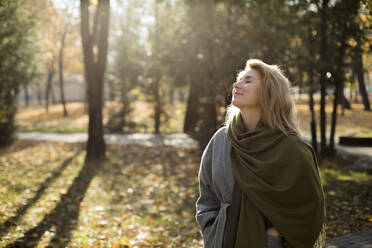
250 73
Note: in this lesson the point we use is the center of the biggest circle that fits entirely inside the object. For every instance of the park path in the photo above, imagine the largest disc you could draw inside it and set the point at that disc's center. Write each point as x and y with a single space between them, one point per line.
357 150
363 160
173 139
145 139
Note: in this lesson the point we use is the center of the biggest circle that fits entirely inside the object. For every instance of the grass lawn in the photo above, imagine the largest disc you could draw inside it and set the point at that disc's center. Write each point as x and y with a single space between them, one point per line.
364 134
35 118
141 197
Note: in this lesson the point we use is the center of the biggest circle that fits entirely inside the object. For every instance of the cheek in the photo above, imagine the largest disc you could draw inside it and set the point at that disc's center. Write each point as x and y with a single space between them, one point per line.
252 95
251 90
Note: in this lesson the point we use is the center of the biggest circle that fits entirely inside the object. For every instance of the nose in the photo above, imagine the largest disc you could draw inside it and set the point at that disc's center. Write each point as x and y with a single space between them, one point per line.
236 84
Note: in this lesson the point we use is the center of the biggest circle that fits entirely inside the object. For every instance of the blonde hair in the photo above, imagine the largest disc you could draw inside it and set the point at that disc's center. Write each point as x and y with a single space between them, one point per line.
277 106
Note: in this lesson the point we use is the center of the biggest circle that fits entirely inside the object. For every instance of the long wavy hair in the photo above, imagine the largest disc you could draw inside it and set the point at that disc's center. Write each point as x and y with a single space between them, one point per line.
277 106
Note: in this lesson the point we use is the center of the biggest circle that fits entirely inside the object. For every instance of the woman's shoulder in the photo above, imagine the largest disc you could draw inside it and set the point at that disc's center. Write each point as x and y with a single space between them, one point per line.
297 145
298 141
220 134
218 138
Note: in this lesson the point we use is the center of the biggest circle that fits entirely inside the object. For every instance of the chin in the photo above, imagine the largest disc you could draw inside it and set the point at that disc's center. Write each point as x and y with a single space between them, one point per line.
235 103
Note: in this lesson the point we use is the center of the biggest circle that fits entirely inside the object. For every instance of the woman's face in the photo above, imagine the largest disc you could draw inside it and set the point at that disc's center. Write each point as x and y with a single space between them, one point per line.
245 93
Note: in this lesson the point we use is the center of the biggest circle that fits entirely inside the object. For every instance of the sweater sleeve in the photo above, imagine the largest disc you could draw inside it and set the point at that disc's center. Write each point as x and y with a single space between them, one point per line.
207 205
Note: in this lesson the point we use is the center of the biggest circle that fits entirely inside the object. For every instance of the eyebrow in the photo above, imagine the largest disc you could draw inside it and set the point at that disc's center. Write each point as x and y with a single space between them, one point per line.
248 76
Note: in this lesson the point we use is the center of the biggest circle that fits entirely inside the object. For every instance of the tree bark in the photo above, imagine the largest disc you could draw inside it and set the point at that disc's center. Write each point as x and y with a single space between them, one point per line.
314 141
339 81
191 116
359 69
38 89
49 87
158 107
95 46
352 82
156 91
345 103
61 83
25 86
323 78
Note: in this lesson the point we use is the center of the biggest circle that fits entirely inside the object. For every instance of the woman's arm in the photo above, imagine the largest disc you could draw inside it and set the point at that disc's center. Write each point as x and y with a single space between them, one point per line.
207 205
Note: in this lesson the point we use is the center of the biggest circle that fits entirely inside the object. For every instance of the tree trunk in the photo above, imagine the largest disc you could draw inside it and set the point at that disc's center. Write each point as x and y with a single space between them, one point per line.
48 88
158 108
300 83
38 90
95 64
60 63
191 116
156 91
339 81
359 68
51 92
124 101
352 77
323 78
351 84
314 141
25 86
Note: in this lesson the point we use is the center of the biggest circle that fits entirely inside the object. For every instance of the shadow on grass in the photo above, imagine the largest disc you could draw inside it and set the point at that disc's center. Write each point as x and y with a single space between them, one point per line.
18 146
347 195
346 207
4 228
65 215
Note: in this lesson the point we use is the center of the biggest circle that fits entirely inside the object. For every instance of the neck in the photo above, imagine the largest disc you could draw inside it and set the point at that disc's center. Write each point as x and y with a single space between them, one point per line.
251 117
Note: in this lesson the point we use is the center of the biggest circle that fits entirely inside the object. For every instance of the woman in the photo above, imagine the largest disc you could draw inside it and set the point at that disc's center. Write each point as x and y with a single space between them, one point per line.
259 181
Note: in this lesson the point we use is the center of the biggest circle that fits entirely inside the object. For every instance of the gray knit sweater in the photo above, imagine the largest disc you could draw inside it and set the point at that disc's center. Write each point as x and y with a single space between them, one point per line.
215 187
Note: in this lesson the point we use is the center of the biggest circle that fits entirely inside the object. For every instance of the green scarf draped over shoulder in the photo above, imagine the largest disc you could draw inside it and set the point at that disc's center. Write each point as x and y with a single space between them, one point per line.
279 179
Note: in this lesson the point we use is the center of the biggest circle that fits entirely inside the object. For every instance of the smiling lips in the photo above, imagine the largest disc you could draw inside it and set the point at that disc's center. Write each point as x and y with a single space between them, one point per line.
237 94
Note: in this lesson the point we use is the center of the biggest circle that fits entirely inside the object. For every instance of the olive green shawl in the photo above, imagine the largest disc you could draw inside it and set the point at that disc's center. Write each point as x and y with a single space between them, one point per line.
279 179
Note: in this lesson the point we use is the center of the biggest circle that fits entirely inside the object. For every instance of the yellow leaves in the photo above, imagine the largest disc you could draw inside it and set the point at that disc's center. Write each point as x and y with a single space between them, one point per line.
370 219
352 42
63 191
123 241
149 220
147 239
144 236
